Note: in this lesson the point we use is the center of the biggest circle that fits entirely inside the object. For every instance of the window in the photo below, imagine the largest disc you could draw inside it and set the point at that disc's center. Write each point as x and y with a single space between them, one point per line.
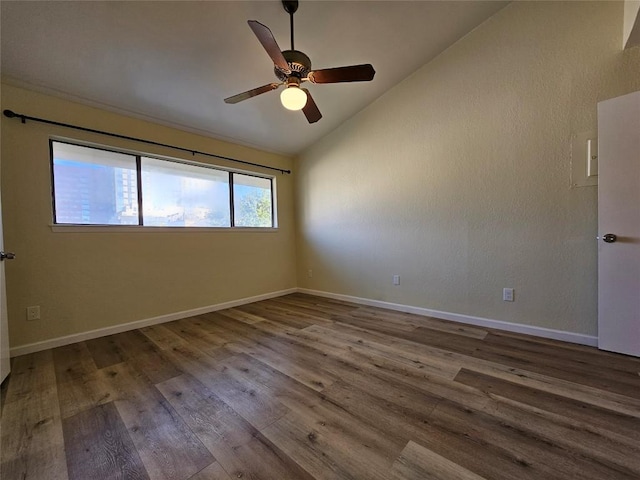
252 202
92 186
176 194
89 186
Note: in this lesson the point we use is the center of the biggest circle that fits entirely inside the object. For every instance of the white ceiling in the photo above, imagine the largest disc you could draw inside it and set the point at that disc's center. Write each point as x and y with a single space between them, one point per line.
175 62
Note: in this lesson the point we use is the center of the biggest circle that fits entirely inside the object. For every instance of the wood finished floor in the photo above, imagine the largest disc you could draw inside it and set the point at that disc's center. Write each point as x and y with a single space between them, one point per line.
302 387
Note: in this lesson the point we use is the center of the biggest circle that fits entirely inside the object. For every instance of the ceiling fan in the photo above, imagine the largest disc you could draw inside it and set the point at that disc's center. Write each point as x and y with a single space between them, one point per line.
292 68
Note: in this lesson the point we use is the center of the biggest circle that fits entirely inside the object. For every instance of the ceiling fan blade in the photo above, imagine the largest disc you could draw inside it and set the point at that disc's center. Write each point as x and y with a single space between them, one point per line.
353 73
310 110
269 43
252 93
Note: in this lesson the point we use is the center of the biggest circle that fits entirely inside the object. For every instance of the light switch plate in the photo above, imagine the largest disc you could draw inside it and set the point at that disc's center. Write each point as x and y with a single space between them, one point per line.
592 157
584 146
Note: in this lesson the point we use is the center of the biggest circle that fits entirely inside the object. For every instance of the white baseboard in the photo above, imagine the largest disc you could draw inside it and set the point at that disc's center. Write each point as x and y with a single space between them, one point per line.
101 332
457 317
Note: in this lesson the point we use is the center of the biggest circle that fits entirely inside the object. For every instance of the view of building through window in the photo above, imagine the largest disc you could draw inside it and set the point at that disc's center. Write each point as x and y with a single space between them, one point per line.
94 187
100 187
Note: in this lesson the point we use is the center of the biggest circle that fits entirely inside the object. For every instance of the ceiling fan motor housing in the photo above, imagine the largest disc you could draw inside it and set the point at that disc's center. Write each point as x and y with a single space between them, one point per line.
299 64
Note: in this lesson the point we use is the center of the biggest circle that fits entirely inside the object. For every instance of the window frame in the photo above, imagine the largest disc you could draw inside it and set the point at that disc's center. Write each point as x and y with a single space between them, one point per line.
78 227
271 191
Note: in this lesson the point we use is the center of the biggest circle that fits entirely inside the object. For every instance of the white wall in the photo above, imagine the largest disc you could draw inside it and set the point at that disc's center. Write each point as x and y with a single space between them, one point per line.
458 179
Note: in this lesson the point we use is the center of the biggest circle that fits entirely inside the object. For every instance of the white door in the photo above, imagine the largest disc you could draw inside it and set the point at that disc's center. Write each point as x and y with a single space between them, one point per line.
619 224
4 323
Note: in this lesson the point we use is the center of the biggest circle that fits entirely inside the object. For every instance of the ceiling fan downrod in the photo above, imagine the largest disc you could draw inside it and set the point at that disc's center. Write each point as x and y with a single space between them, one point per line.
290 6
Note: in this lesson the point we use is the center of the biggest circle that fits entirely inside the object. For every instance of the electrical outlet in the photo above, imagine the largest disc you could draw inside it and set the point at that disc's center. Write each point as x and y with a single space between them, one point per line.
33 313
507 294
309 273
396 279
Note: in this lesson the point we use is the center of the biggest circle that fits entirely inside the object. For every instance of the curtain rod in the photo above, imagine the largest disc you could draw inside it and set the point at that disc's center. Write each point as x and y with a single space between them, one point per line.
24 118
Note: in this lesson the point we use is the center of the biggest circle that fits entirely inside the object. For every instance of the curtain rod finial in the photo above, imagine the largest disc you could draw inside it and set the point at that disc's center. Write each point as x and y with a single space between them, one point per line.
10 113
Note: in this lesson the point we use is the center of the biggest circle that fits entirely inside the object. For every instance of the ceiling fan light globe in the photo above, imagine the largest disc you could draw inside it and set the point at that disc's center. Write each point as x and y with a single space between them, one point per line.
293 98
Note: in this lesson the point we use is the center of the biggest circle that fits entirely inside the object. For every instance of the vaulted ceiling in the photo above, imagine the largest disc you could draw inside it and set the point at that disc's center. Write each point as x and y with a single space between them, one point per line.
175 62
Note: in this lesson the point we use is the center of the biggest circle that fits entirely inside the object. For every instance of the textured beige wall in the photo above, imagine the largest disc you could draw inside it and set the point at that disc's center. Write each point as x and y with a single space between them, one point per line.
458 178
631 13
84 281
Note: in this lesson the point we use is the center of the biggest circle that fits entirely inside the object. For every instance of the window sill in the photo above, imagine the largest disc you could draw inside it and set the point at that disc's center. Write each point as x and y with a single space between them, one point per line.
147 229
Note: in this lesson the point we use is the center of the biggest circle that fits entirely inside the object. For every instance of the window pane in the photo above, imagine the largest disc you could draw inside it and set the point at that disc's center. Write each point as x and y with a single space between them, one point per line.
89 186
252 201
179 195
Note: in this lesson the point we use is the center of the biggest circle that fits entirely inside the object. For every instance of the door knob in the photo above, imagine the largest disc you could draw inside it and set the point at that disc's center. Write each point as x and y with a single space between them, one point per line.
610 237
7 255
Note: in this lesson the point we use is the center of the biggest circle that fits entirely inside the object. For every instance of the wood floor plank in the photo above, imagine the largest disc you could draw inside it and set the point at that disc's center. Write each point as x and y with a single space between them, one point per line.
322 304
594 449
196 333
581 435
608 379
216 424
351 339
416 321
113 349
297 316
405 422
163 337
234 442
332 445
241 316
531 453
156 366
419 463
264 456
324 455
252 401
311 309
273 328
77 380
566 351
30 375
592 395
388 324
381 389
444 340
32 443
439 356
303 370
338 431
212 472
596 416
167 447
395 414
289 318
278 352
283 388
396 372
98 445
